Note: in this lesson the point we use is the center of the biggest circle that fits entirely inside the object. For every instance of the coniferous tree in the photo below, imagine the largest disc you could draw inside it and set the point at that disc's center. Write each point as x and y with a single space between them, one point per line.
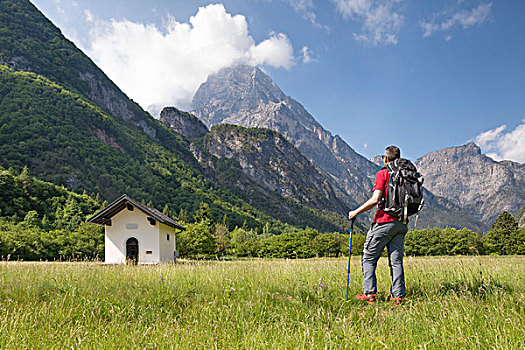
505 221
226 220
69 217
183 216
221 235
25 179
266 229
203 214
166 211
46 223
32 219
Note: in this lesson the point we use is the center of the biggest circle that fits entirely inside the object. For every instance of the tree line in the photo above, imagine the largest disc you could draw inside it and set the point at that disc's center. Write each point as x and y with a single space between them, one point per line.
206 239
203 238
42 221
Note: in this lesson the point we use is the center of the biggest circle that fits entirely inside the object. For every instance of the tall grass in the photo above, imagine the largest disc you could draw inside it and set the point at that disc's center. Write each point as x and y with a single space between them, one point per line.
474 303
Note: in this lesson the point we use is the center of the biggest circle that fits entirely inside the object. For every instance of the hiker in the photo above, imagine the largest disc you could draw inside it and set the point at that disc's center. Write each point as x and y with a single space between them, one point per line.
386 231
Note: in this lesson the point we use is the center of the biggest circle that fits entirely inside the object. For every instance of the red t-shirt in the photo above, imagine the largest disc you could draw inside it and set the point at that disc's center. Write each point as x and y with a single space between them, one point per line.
381 183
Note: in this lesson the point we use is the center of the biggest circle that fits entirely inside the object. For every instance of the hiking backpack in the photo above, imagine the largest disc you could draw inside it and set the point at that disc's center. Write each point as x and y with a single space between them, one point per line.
405 194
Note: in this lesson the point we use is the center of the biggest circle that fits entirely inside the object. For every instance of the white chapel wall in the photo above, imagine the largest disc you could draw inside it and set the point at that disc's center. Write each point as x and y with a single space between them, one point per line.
118 233
167 247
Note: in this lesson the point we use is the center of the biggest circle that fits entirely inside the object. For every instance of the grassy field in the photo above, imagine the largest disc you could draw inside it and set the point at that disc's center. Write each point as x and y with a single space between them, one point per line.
452 302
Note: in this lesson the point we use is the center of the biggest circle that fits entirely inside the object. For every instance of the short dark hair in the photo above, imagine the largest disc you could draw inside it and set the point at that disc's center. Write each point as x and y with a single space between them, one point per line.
392 153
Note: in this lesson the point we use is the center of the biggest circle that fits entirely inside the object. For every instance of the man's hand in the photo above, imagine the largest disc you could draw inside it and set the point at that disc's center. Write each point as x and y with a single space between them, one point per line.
369 204
352 214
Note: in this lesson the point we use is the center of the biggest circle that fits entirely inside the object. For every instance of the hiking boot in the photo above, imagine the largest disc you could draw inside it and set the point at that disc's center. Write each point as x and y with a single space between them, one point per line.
397 301
370 299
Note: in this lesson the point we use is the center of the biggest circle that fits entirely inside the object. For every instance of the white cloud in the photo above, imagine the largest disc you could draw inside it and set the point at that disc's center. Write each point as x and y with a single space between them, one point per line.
307 58
306 9
485 138
500 145
89 16
381 20
494 156
165 66
58 6
453 16
275 51
470 18
429 28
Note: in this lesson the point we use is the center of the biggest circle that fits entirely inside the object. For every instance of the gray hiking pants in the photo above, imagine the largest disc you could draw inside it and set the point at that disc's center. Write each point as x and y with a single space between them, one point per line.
391 235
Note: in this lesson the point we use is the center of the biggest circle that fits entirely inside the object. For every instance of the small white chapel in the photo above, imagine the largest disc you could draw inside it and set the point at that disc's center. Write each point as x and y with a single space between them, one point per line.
136 233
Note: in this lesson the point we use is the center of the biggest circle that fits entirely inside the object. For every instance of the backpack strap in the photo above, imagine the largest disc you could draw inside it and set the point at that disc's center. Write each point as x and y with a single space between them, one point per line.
405 211
392 166
381 204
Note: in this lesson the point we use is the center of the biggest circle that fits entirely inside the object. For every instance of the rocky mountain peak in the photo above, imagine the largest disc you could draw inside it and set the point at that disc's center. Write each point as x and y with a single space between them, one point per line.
246 96
470 148
377 160
236 88
471 179
183 123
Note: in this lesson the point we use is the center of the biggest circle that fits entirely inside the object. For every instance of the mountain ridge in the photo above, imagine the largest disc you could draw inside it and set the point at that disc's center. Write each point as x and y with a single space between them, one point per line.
31 42
53 122
263 168
244 95
472 180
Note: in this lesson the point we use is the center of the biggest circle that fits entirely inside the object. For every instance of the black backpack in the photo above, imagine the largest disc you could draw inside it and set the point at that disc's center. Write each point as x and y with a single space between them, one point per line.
405 194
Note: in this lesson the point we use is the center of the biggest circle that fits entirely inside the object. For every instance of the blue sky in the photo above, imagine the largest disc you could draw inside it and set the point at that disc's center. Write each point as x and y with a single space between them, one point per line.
423 75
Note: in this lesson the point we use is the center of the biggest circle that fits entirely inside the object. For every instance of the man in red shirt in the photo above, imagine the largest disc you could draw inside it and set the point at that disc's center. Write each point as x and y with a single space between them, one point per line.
386 231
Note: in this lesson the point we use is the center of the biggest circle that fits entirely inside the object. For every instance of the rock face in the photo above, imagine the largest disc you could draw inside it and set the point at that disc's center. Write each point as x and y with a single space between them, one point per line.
378 160
272 162
263 168
244 95
183 123
474 181
521 222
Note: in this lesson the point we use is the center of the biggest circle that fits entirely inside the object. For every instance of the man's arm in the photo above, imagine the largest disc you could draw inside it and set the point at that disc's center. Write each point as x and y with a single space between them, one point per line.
369 204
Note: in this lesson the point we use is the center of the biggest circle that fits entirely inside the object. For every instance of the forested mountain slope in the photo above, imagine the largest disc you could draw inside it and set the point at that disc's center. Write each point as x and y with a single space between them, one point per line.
84 133
30 42
66 139
69 124
23 197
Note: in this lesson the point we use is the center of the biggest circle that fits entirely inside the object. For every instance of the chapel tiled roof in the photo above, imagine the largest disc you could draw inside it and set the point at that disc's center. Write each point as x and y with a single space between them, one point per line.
104 216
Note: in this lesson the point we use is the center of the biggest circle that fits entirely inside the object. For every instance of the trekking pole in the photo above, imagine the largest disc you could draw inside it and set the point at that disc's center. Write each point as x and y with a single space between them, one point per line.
349 255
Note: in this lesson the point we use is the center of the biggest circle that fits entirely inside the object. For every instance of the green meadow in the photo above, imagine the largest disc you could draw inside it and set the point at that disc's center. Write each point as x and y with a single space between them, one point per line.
452 302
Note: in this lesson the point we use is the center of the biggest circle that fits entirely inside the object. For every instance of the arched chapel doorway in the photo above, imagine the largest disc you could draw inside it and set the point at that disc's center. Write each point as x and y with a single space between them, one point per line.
132 250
